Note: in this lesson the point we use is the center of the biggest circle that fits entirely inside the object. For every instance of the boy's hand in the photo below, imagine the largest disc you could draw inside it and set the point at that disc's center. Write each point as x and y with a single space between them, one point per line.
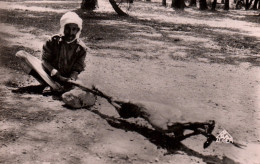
72 79
61 89
54 72
74 76
61 78
56 75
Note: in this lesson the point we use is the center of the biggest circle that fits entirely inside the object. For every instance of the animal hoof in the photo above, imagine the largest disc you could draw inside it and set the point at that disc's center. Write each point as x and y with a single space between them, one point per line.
210 139
207 143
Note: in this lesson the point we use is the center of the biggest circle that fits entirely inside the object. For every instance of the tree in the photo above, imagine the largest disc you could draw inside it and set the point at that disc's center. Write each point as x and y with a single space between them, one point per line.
117 9
226 5
247 5
255 5
192 3
164 2
214 4
89 4
239 4
178 4
203 4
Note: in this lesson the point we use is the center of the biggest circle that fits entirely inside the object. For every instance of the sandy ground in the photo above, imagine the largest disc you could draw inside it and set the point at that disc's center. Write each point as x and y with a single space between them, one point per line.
205 64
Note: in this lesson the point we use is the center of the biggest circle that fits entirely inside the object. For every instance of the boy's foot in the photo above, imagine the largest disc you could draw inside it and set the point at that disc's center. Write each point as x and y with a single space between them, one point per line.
210 139
47 91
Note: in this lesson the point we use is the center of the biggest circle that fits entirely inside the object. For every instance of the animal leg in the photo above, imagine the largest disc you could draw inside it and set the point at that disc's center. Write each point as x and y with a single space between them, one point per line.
204 128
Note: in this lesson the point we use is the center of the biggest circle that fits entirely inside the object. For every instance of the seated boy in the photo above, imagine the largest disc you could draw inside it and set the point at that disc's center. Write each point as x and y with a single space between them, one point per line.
64 54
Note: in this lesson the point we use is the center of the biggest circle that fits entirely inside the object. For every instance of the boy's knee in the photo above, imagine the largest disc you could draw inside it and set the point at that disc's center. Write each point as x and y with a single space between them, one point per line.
26 67
24 64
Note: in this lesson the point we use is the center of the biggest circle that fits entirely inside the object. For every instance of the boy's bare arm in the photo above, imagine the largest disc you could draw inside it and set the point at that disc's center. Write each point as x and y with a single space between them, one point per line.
74 75
53 71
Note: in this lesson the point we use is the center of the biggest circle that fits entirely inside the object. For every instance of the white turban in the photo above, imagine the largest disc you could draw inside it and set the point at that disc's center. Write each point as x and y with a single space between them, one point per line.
70 17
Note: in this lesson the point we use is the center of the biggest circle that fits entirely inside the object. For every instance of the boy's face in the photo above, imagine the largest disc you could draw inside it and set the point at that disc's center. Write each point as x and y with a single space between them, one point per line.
70 31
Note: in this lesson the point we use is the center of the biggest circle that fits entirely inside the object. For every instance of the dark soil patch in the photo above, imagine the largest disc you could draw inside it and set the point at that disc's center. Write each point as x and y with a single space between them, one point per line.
54 5
239 42
17 114
7 57
8 136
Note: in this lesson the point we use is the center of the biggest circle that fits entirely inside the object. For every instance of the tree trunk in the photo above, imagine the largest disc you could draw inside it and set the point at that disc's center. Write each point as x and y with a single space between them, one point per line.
255 5
226 6
178 4
117 9
247 5
164 2
213 6
193 3
203 4
239 4
250 3
89 4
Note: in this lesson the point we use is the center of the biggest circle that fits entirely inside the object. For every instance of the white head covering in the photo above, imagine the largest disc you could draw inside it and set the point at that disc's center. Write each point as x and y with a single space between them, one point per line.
70 17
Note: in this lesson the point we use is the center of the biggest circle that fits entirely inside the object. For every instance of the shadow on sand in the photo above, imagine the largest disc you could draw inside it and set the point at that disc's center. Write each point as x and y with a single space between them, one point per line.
162 140
170 143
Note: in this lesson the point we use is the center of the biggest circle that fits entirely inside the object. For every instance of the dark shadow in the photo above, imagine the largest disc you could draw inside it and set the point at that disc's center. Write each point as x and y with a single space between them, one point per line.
251 18
38 90
96 31
161 140
8 58
70 108
32 89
